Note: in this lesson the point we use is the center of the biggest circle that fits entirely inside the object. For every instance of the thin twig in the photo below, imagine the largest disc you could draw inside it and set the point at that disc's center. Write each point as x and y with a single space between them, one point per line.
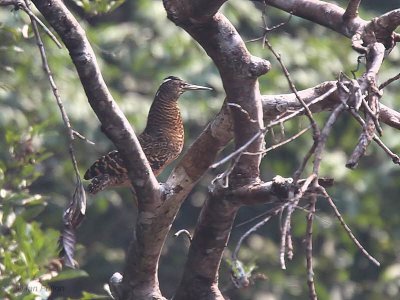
389 81
245 112
374 116
286 72
76 208
238 151
78 135
375 57
395 158
292 138
271 211
54 88
246 234
301 110
359 58
286 234
293 88
347 228
300 169
267 29
24 6
269 126
309 249
287 140
324 136
224 177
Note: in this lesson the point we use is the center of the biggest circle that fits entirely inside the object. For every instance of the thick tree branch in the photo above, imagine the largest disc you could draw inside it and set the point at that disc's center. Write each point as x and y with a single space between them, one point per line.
321 12
193 165
118 129
344 22
200 279
275 105
113 121
224 45
352 9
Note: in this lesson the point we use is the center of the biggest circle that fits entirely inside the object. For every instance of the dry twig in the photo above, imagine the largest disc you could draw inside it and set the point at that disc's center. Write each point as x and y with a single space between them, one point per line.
24 6
347 228
389 81
309 249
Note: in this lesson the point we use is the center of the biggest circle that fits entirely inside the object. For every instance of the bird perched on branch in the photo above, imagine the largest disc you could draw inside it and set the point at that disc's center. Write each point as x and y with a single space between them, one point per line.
161 140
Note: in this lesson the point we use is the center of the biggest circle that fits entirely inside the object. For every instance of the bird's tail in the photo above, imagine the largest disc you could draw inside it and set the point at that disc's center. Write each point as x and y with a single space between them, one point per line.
105 172
99 183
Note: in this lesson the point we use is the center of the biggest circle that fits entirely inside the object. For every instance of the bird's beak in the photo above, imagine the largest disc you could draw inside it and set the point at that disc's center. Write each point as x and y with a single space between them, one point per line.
188 86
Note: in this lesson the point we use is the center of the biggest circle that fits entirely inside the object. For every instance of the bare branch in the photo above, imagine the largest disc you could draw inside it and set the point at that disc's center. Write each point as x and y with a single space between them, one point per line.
117 128
246 234
351 10
286 246
292 138
20 4
315 11
115 125
76 208
375 57
389 81
395 158
312 294
237 152
241 86
347 229
294 90
319 98
324 136
356 28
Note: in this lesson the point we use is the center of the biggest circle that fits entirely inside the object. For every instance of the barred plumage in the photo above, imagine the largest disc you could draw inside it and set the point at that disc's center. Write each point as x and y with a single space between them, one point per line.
161 140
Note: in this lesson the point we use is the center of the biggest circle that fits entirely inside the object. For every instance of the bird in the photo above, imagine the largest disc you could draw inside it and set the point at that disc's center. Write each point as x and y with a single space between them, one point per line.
162 139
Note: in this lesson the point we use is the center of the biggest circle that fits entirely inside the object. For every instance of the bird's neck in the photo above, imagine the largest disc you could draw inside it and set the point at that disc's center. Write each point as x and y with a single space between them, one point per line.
164 116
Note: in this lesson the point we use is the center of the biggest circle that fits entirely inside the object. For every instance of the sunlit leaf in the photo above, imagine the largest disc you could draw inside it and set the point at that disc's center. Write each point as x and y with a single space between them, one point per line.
69 274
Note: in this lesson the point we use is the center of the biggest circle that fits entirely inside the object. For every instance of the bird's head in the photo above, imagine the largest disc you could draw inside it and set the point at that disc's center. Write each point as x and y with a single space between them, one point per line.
174 86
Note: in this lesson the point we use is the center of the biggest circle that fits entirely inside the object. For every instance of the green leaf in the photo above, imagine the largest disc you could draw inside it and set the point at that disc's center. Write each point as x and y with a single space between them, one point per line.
69 274
89 296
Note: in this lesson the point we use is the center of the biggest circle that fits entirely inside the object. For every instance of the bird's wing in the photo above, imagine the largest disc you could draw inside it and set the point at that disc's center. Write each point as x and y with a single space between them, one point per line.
111 164
155 149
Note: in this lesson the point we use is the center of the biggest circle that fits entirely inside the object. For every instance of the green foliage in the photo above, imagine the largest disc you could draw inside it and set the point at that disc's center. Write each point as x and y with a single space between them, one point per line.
98 6
25 248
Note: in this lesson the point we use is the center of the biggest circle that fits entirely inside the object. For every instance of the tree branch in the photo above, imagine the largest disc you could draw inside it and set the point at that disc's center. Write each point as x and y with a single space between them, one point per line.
275 105
355 27
113 121
316 11
117 128
223 44
351 10
368 83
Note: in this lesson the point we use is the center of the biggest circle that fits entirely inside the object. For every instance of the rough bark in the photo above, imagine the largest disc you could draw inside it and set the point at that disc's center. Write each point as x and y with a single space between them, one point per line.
273 105
224 45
